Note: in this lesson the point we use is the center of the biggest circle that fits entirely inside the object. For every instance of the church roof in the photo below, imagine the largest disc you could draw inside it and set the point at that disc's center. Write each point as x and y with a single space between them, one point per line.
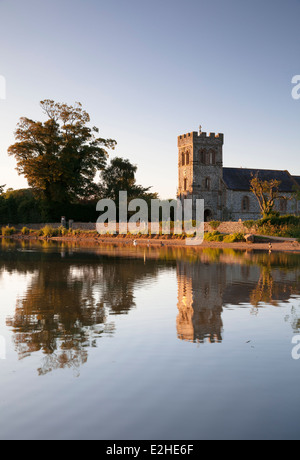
297 179
239 178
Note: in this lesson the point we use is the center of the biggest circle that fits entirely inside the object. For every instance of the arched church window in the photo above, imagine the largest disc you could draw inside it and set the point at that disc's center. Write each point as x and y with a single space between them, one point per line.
202 157
207 158
207 215
245 203
283 204
207 183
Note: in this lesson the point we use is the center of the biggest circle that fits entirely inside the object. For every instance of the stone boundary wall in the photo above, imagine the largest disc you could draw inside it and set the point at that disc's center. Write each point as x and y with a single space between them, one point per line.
83 226
75 226
224 227
34 226
228 227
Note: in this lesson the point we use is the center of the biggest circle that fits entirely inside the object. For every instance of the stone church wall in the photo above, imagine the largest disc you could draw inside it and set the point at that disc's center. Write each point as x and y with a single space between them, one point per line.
235 206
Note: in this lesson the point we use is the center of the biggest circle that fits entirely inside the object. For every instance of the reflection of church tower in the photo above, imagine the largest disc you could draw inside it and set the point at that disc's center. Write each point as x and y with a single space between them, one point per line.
200 302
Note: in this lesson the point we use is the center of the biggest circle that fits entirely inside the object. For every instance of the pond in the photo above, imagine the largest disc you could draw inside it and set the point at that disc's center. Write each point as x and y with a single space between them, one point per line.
140 343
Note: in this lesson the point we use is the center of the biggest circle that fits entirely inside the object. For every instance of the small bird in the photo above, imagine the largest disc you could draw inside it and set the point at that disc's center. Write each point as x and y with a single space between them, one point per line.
134 243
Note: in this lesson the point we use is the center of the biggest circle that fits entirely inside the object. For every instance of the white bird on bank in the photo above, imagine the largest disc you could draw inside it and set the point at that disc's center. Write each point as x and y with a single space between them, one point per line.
134 243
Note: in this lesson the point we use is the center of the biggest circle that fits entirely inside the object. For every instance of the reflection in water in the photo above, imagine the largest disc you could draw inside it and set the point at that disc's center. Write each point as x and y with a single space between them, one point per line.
205 288
200 301
73 295
69 300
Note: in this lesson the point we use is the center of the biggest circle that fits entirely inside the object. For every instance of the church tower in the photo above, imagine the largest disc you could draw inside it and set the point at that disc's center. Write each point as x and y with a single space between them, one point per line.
200 171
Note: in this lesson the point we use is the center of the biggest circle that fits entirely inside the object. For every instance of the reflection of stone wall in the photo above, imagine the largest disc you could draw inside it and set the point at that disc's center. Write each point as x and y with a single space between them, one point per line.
204 289
200 302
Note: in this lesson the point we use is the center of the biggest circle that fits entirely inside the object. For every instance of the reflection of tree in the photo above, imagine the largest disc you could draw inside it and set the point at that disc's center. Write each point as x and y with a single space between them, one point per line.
68 301
270 290
119 300
57 313
206 287
67 358
73 295
264 291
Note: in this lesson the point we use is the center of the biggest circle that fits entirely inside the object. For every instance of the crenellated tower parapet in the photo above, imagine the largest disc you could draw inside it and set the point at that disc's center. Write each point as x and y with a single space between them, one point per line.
195 136
200 168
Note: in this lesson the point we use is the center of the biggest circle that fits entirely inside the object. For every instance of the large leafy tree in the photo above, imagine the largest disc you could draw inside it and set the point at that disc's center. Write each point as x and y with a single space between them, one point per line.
119 176
60 156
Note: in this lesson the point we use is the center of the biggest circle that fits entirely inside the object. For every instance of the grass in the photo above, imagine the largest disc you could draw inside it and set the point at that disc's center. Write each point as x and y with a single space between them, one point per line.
278 226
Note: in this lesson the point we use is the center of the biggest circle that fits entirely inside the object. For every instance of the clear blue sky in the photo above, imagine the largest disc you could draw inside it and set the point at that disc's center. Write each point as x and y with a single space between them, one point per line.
148 71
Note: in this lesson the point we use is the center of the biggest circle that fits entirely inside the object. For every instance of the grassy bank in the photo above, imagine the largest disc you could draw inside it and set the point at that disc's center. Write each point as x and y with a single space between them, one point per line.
51 232
282 226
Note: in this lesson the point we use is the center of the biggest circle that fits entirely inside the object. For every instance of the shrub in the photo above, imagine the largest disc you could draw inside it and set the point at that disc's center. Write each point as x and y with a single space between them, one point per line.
213 236
25 231
249 224
215 224
285 226
234 238
279 220
62 231
49 232
8 231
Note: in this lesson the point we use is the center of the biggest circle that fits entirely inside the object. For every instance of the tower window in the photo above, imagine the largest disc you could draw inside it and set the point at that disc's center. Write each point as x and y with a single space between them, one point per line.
185 184
202 157
245 203
213 157
207 158
187 158
207 183
183 159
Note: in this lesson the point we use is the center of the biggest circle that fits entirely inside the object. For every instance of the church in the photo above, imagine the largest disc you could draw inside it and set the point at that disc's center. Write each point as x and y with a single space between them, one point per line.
226 191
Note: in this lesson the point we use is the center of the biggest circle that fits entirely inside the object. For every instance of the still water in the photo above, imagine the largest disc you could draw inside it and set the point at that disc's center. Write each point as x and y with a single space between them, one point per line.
140 343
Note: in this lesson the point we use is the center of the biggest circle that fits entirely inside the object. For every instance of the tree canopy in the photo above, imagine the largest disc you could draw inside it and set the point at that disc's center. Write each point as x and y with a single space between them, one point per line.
60 156
120 176
266 192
